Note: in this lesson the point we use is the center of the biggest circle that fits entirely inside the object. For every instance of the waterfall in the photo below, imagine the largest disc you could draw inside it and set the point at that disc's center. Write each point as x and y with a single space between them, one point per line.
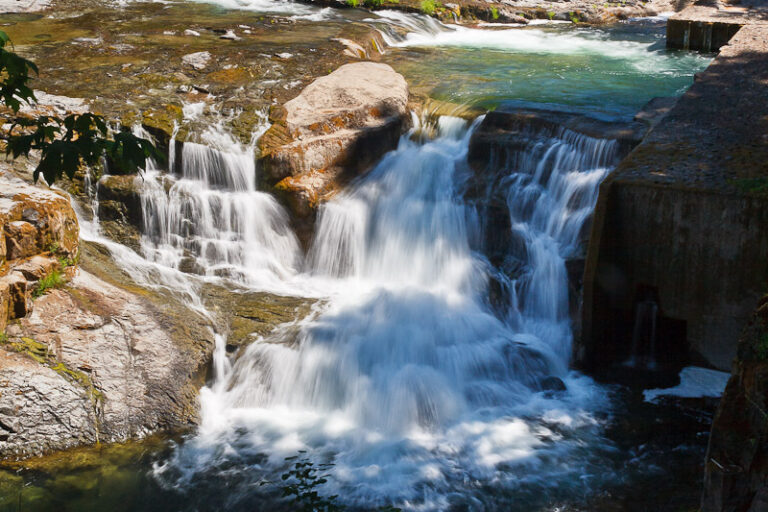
210 219
404 377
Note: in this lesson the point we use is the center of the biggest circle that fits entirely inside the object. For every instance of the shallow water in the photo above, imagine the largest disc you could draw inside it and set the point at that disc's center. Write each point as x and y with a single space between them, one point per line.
418 391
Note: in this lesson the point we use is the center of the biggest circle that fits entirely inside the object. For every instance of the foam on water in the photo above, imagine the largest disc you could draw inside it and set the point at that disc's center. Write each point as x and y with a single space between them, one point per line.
408 30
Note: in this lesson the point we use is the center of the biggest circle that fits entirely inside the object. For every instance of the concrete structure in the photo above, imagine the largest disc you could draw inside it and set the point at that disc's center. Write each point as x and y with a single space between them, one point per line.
683 220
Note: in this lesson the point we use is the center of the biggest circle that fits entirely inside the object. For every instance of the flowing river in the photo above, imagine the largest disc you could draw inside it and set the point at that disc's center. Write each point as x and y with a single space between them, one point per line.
414 387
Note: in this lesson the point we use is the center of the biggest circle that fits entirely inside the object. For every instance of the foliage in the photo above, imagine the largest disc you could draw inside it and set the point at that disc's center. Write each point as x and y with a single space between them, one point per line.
301 483
53 280
64 144
428 7
550 15
353 3
574 17
494 13
372 3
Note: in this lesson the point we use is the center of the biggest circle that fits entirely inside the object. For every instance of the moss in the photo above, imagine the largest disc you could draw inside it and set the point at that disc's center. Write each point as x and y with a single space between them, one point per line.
40 353
428 7
757 186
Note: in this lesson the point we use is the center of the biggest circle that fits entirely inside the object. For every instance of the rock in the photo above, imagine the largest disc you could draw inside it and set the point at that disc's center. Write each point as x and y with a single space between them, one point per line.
41 409
20 240
229 35
193 33
552 384
736 476
338 127
19 295
197 60
98 363
119 199
37 267
35 219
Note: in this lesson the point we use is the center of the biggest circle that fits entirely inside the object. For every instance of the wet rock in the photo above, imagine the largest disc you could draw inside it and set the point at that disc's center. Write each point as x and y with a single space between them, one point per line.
20 240
119 199
197 60
552 384
337 128
99 363
737 465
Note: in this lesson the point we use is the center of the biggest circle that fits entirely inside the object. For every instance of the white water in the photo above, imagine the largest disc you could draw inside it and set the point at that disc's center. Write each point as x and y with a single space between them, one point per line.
212 219
404 377
402 30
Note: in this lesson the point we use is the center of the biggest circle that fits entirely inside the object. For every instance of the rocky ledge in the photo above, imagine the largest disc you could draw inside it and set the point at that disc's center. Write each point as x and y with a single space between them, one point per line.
737 459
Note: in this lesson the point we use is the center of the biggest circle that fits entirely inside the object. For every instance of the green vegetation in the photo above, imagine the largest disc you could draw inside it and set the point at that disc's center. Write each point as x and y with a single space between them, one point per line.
353 3
551 15
751 185
761 349
64 144
302 482
494 13
53 280
574 17
428 7
372 3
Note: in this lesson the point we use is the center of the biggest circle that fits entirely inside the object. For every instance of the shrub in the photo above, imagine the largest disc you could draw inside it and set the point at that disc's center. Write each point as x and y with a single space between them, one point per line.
428 7
353 3
53 280
372 3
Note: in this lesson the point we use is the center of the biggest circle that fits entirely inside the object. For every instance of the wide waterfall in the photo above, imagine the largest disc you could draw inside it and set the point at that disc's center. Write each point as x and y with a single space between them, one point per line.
404 377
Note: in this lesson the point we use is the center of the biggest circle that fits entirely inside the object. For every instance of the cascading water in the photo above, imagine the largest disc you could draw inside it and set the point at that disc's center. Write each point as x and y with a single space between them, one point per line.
212 220
405 378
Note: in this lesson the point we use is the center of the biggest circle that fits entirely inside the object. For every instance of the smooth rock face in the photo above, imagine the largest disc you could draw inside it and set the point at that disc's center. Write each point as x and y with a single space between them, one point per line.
338 127
737 459
104 365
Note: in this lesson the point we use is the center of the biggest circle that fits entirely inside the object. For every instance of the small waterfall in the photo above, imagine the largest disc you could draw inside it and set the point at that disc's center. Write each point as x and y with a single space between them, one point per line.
404 377
551 190
644 334
210 219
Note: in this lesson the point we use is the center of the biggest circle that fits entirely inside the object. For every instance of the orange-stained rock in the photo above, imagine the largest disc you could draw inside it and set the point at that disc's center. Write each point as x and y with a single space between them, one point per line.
20 240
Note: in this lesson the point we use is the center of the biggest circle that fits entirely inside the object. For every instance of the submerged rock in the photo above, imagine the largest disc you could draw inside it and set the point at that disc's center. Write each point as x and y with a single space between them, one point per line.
337 128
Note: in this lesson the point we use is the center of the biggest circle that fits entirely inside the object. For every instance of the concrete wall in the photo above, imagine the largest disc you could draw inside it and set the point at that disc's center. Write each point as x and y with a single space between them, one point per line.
703 253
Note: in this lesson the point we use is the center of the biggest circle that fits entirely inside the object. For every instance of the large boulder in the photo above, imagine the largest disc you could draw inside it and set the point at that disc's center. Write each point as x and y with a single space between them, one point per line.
96 362
737 459
335 129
